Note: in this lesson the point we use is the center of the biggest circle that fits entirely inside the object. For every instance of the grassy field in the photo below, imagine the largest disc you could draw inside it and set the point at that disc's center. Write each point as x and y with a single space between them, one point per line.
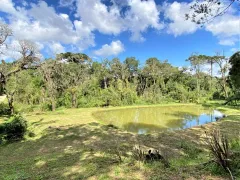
72 144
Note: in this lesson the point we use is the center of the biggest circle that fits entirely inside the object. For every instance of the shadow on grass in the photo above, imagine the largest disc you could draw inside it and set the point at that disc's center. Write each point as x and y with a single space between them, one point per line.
65 152
87 151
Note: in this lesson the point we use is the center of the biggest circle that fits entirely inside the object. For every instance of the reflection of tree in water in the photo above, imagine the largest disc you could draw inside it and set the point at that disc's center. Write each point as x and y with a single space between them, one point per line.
142 128
188 119
183 122
154 119
204 116
136 118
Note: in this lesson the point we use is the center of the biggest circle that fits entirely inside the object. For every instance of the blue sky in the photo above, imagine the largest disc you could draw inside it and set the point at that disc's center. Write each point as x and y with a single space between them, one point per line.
120 28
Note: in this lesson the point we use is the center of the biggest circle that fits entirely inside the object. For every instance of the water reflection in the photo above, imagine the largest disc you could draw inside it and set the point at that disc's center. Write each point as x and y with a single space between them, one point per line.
155 119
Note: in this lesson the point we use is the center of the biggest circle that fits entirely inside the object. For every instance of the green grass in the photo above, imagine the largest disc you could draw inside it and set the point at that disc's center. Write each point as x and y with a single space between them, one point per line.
72 144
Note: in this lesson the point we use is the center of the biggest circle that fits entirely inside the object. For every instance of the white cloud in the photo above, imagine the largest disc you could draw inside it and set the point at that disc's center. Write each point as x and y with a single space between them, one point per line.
24 3
178 25
115 48
227 25
108 20
227 41
65 3
141 16
42 24
226 28
65 16
56 48
99 17
7 6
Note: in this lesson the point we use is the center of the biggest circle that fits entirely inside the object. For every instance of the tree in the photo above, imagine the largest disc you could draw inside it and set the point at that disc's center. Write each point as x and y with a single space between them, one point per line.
234 72
196 62
205 11
29 60
73 57
74 75
102 72
211 62
50 71
223 64
29 85
131 64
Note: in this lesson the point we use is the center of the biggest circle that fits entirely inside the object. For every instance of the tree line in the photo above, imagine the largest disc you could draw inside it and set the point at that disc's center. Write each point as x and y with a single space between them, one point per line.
74 80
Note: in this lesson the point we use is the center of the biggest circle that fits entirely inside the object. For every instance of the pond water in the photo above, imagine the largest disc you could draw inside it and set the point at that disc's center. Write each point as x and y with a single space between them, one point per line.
145 120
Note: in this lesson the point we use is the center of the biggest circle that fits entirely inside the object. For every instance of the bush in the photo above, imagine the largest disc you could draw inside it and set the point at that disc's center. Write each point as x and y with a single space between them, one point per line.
4 109
15 128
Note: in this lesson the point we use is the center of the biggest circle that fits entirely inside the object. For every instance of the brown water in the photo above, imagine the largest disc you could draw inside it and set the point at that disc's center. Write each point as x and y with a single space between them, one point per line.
154 119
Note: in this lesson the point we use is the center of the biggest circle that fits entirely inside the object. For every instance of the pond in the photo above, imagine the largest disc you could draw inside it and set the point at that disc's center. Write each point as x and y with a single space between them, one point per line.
145 120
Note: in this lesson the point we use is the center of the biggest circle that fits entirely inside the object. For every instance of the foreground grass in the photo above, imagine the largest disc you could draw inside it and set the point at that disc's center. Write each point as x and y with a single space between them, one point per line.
72 144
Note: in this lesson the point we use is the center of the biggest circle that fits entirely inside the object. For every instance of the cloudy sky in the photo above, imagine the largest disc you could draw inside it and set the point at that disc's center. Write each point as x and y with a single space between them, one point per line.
120 28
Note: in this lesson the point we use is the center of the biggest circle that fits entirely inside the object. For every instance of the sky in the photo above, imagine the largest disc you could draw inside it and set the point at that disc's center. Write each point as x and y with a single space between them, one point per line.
120 28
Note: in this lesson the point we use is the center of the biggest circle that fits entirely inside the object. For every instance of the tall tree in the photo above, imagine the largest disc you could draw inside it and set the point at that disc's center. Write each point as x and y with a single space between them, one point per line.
29 60
74 76
223 65
132 64
73 57
197 61
51 71
234 72
211 62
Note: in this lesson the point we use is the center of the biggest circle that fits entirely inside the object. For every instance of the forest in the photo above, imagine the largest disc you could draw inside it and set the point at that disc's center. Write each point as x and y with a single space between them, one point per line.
73 80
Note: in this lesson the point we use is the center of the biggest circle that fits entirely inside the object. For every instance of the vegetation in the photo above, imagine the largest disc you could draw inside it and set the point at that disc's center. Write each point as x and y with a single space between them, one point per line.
69 143
72 144
83 83
219 148
74 80
202 12
14 128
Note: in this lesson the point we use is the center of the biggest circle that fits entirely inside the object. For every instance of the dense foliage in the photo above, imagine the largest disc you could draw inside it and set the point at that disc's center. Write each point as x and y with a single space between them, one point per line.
234 72
73 80
14 128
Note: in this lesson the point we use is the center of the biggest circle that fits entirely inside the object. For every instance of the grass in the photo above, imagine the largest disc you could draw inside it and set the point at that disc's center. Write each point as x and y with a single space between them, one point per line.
72 144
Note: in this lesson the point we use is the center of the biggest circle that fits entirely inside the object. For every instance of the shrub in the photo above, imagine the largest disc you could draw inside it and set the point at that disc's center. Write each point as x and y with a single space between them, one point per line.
219 147
2 129
15 128
45 106
4 109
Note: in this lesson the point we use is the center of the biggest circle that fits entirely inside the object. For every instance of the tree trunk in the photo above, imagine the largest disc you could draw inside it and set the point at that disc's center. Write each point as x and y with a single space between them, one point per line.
225 89
53 104
211 74
10 103
198 88
11 108
224 85
74 100
105 82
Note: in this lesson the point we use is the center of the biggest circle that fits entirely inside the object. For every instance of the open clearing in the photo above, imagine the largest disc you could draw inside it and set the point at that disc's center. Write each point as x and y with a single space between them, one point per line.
72 144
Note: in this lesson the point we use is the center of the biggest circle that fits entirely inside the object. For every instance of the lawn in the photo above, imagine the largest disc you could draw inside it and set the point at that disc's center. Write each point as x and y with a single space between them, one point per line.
72 144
